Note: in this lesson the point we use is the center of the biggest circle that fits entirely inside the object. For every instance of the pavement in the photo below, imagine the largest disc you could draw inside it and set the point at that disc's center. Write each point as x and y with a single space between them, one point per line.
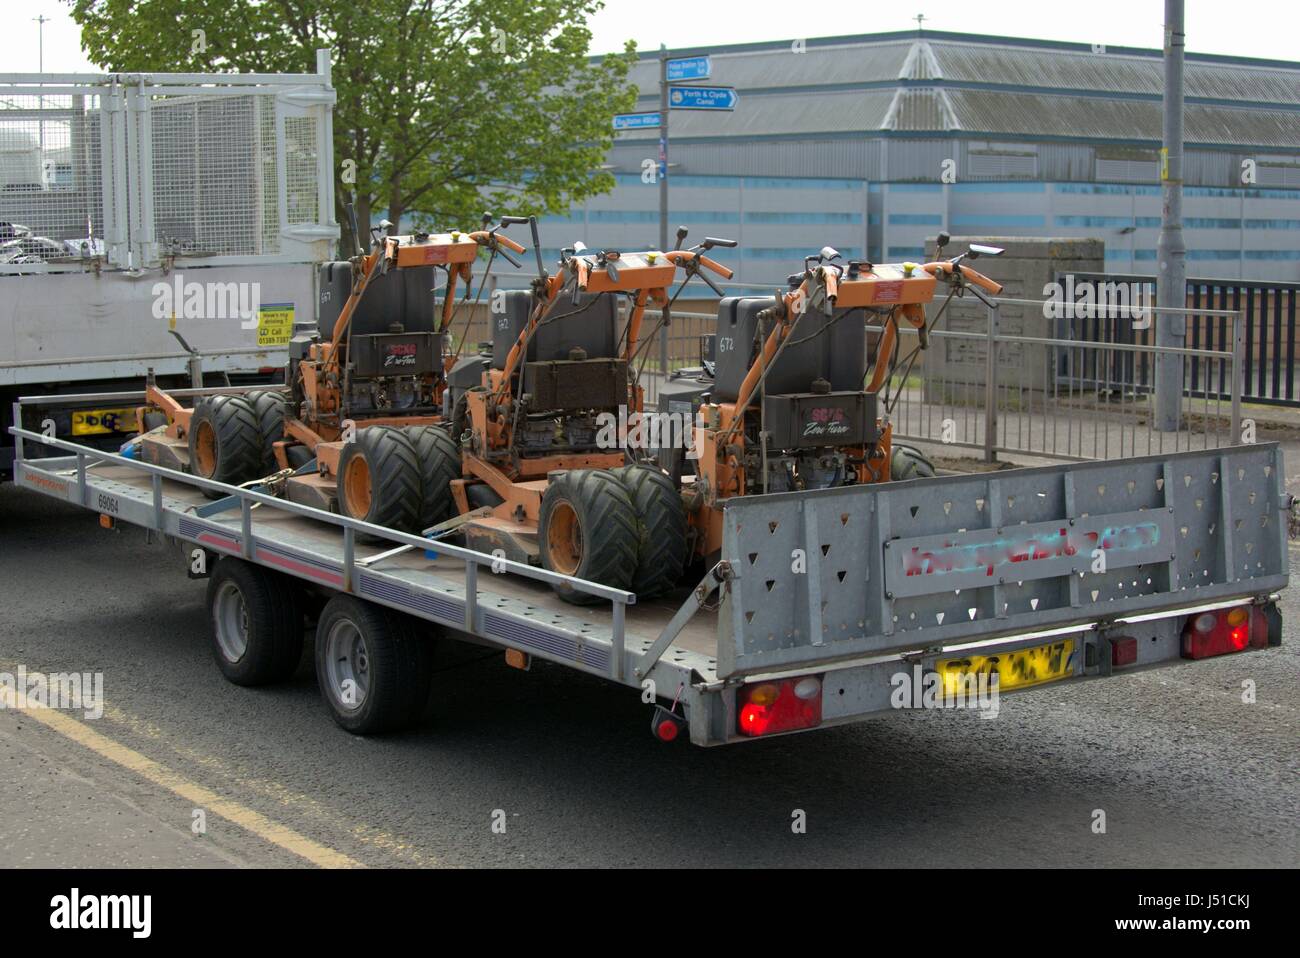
554 768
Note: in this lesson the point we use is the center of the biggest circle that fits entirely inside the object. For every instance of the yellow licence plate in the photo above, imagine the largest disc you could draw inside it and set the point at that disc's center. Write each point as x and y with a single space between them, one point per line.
100 422
1015 670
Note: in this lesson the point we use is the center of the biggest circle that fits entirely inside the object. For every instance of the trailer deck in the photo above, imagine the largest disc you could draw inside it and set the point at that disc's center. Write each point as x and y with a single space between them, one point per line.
895 576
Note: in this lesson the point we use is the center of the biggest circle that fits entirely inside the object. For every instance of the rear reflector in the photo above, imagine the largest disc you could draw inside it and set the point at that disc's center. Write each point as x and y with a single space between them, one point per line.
1123 651
1225 631
769 707
666 725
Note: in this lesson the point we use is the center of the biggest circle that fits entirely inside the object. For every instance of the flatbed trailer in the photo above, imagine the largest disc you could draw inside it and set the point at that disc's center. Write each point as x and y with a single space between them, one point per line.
1044 576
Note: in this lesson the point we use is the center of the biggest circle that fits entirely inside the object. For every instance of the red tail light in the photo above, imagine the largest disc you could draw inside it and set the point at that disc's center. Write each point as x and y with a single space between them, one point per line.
1224 631
768 707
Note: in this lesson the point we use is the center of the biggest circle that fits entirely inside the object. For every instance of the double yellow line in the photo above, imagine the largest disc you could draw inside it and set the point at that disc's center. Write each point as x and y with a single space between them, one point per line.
201 797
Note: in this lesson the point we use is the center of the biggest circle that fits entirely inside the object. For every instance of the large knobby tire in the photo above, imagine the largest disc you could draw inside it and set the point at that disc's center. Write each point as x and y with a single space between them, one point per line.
908 463
439 457
224 441
661 522
588 530
379 479
270 407
257 623
373 665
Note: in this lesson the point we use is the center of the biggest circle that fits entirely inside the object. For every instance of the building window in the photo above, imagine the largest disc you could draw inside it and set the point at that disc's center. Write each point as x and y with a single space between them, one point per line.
915 219
1002 159
1127 164
816 218
997 219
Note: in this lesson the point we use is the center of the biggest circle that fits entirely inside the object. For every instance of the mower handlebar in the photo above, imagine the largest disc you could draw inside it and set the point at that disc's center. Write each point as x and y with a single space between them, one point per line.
971 276
486 238
682 257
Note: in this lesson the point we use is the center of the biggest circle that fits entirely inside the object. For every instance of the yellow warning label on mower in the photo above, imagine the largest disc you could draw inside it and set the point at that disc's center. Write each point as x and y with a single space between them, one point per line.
274 324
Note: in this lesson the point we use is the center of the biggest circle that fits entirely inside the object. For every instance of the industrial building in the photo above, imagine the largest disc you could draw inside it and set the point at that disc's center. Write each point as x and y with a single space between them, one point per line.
872 143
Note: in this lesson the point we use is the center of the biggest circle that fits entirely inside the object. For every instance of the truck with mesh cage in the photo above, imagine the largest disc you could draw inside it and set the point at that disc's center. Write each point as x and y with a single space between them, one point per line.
149 221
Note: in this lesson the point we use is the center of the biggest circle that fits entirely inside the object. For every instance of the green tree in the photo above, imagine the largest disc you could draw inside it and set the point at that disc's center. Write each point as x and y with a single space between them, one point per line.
447 107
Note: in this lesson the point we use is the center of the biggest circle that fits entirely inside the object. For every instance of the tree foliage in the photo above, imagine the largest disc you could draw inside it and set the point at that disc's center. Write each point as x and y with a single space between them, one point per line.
446 107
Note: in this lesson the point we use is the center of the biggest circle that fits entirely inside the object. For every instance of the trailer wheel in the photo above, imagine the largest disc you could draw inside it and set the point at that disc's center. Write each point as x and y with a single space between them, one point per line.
224 441
588 529
270 407
661 526
908 463
373 666
256 621
439 457
379 479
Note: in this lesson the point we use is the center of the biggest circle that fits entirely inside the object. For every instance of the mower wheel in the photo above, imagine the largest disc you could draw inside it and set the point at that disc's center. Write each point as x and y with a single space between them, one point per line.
379 479
270 407
661 523
908 463
588 530
224 441
439 456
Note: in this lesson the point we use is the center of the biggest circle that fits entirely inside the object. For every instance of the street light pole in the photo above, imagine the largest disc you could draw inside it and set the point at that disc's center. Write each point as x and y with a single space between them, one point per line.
663 147
663 193
1171 253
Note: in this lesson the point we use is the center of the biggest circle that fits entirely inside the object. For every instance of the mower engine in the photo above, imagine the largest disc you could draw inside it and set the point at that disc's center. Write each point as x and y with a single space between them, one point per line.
814 411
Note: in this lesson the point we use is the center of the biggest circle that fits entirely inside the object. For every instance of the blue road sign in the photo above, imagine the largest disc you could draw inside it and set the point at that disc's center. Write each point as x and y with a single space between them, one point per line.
636 121
689 68
702 98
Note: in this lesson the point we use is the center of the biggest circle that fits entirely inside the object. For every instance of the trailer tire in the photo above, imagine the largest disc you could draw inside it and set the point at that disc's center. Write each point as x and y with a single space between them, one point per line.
373 666
661 526
439 457
270 407
905 462
224 441
379 479
257 623
588 529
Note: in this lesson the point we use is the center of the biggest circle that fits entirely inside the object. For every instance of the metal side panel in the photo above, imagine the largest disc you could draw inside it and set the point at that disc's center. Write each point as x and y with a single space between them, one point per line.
861 570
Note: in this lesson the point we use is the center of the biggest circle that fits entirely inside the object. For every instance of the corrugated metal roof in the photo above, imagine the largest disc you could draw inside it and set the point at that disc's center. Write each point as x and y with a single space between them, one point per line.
920 110
1035 65
756 69
1030 115
1117 73
979 112
1032 111
786 113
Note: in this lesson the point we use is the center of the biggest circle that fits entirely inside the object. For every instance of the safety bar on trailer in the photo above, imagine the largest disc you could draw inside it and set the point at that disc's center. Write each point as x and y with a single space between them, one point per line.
619 598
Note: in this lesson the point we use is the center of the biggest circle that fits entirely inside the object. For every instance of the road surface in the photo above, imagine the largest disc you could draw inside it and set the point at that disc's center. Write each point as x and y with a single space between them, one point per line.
553 768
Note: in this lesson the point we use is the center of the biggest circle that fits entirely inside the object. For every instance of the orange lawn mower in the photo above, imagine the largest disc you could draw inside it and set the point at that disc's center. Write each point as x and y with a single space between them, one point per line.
359 429
546 478
791 403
